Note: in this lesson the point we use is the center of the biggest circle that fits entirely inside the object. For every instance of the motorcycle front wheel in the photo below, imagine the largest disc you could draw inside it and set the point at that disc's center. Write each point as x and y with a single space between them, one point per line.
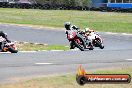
12 50
100 44
81 45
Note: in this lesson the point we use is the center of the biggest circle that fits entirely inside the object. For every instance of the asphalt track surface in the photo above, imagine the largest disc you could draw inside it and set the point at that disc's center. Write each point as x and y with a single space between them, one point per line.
117 53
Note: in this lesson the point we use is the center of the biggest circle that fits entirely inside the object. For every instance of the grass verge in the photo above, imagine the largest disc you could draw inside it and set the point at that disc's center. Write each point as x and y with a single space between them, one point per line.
100 21
36 47
68 81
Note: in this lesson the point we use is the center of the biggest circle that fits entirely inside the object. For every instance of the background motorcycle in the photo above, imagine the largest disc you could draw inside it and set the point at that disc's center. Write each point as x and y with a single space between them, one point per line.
77 40
97 41
8 47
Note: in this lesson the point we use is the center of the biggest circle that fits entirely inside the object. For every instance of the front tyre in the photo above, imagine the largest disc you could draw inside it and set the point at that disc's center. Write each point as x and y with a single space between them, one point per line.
101 46
81 45
72 45
12 50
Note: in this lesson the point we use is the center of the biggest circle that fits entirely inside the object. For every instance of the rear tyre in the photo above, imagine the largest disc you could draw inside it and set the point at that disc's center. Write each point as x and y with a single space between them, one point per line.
12 50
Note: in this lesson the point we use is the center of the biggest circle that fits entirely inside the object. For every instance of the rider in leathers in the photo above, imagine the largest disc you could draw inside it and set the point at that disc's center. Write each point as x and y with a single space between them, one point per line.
68 26
4 35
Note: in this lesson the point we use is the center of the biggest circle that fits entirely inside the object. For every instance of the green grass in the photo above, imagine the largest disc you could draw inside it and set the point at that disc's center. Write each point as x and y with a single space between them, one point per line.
100 21
69 81
34 47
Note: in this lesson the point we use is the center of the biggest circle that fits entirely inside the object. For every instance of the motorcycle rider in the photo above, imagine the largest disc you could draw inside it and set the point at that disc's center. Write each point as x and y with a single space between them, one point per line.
4 35
92 35
68 27
89 33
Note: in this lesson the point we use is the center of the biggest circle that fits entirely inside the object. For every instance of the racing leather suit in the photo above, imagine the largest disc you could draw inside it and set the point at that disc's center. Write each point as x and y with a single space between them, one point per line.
4 36
73 27
90 35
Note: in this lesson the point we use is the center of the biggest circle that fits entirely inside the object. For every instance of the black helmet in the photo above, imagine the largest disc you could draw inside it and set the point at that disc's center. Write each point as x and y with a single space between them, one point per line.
67 25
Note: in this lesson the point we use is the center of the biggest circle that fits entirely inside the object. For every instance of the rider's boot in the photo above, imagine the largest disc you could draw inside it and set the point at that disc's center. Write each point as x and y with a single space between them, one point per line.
89 44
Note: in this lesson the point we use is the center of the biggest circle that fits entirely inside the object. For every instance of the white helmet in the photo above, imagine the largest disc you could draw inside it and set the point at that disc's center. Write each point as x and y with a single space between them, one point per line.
87 29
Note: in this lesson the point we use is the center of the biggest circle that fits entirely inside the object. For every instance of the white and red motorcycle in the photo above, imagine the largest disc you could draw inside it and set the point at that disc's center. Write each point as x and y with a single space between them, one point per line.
7 47
96 39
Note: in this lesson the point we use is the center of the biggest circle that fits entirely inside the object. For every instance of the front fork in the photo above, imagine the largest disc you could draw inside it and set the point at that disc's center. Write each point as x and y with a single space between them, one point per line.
72 45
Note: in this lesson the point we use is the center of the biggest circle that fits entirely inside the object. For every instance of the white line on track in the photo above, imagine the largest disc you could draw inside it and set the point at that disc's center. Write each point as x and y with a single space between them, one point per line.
126 34
56 50
42 50
39 51
4 52
129 59
74 49
27 51
43 63
111 33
